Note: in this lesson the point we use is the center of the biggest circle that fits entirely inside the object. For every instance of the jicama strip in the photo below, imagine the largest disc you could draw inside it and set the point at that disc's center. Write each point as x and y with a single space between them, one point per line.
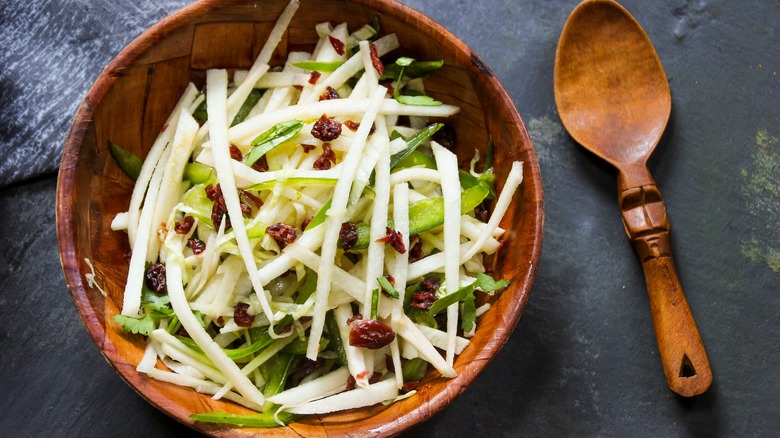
313 389
152 158
401 223
203 386
513 181
199 335
119 222
342 280
131 305
335 216
243 133
409 331
181 148
439 339
447 164
376 246
260 65
415 174
216 81
258 360
359 397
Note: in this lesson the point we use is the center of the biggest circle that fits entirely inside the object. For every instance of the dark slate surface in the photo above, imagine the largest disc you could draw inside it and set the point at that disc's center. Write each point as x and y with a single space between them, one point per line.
583 360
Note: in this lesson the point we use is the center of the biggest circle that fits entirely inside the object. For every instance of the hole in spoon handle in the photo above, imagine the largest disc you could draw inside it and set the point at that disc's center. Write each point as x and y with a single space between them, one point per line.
680 348
684 360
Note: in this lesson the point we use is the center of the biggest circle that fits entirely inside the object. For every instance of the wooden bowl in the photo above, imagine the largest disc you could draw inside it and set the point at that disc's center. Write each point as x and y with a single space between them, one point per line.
129 104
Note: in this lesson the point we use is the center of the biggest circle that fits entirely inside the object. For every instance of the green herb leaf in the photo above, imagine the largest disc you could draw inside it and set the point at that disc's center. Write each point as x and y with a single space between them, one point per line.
469 315
483 282
384 283
129 162
142 326
334 335
324 67
486 283
374 303
246 107
201 112
411 145
319 217
272 138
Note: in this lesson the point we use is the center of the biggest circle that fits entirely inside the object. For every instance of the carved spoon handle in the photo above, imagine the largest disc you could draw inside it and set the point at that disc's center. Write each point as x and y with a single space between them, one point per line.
681 350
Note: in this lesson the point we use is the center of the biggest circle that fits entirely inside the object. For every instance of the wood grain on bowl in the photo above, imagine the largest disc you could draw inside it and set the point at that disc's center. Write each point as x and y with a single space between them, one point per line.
129 104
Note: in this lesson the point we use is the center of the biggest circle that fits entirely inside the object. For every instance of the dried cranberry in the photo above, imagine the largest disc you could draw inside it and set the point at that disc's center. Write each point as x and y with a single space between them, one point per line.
337 44
185 225
423 299
241 316
351 384
416 252
353 318
329 94
283 234
375 61
306 368
371 334
348 236
127 255
353 126
219 211
261 165
328 153
374 378
197 245
213 193
446 137
395 239
306 222
314 76
235 153
409 386
482 211
430 283
307 147
321 163
155 278
389 364
326 129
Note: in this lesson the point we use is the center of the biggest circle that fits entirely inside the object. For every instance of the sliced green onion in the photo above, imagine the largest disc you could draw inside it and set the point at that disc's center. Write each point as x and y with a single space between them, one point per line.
320 66
129 162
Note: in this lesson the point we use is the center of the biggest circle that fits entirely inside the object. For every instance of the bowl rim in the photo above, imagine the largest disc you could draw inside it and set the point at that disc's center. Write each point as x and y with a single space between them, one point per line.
66 203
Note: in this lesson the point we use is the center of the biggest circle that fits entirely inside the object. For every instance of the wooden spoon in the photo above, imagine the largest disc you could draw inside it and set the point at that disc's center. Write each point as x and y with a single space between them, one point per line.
613 98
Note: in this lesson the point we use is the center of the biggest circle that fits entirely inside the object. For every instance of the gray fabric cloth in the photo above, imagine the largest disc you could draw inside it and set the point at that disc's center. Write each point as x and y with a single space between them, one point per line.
52 51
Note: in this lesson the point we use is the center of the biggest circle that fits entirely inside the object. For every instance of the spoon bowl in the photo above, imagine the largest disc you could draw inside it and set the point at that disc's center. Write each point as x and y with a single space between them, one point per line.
614 99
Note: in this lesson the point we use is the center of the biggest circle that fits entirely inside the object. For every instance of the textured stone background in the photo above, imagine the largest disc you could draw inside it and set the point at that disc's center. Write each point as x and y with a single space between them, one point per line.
583 359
